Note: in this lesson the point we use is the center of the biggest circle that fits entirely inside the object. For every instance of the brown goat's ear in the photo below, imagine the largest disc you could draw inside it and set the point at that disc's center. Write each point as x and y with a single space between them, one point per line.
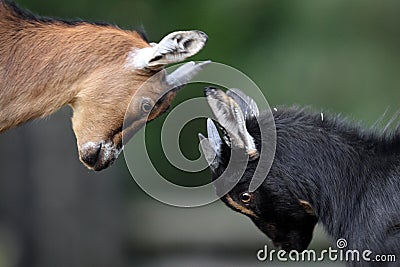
173 48
182 75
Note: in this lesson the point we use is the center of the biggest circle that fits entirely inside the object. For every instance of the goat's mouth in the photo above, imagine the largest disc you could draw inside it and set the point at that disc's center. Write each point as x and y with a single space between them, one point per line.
99 155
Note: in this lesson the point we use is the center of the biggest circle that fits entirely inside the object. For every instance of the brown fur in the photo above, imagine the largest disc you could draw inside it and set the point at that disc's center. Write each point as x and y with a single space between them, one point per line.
46 64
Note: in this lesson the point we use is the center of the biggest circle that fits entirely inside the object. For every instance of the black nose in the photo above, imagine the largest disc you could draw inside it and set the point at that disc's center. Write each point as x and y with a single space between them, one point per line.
90 155
209 91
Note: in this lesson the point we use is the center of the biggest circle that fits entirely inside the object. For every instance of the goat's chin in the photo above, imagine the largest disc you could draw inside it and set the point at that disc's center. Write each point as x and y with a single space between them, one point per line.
98 156
101 165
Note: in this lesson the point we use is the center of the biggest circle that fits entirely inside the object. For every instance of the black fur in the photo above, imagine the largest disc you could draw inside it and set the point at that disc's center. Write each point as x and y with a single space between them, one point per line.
350 176
27 15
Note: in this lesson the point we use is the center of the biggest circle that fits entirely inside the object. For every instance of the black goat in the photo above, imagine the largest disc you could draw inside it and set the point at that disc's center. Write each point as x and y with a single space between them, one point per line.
324 170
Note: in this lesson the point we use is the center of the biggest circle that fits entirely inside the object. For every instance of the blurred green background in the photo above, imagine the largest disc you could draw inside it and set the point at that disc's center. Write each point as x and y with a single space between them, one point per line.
339 56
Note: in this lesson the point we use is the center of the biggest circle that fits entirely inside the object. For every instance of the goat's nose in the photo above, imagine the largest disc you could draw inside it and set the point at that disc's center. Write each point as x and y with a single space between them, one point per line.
90 153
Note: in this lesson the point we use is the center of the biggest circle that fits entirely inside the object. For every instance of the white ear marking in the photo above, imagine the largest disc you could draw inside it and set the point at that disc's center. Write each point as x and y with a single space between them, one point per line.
137 58
275 109
322 116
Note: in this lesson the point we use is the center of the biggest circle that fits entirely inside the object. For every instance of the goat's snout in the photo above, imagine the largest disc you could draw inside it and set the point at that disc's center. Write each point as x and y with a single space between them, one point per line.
90 153
99 155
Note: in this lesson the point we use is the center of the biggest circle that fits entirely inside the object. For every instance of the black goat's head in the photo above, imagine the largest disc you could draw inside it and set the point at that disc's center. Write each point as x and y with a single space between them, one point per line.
287 220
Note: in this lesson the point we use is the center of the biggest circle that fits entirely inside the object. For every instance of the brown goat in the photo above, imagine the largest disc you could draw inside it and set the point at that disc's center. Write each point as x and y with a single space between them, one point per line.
95 68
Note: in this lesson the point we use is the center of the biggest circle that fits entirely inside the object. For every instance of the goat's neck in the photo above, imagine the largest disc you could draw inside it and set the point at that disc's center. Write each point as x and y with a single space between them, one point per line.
43 64
350 177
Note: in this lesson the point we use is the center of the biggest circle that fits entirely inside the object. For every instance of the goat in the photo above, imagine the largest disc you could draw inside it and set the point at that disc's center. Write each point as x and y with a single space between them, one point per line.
94 68
324 170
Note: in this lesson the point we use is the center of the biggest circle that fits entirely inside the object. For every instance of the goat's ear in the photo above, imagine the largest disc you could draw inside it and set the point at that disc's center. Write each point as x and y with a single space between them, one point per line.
230 117
246 103
211 146
173 48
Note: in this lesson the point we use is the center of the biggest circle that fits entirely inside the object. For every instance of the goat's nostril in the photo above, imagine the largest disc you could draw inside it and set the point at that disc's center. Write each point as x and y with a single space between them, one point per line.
90 155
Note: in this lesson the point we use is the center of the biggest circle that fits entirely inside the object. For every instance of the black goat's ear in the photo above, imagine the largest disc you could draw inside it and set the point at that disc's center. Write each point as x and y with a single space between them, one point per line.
230 118
246 103
211 146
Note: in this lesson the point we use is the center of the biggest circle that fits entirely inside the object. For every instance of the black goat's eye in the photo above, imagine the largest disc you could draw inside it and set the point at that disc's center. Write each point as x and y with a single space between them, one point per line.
146 105
246 197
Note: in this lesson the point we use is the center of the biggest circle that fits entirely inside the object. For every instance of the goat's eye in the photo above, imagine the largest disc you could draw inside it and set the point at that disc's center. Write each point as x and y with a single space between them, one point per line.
146 105
246 197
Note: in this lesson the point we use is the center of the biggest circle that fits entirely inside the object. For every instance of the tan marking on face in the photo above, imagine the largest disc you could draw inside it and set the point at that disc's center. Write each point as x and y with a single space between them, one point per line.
307 206
239 207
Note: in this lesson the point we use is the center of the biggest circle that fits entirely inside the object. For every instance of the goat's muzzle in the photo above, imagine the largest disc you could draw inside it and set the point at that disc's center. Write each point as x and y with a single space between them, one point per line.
99 155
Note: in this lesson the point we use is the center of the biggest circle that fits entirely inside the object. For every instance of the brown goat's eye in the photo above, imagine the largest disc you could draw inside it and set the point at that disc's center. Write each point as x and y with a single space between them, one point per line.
146 105
246 197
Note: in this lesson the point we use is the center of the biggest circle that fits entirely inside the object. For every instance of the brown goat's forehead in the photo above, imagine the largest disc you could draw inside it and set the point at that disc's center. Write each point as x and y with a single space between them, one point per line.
239 207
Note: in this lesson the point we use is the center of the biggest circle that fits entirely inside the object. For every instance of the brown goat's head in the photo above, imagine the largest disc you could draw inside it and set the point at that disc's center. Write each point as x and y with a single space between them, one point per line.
138 89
